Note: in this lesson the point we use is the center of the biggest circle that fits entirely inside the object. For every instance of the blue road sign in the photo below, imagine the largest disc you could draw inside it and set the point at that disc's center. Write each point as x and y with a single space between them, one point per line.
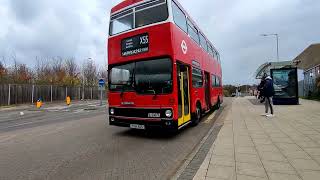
101 82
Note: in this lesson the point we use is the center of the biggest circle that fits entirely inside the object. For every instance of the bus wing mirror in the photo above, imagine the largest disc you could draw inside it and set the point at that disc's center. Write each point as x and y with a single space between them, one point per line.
119 76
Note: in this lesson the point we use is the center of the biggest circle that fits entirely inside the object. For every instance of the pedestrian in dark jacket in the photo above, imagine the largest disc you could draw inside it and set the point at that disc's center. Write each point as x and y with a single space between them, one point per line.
268 92
260 89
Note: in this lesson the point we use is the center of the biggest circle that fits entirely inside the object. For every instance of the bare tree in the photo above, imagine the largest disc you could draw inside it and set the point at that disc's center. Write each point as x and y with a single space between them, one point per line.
3 70
58 70
103 73
89 71
19 73
71 68
43 71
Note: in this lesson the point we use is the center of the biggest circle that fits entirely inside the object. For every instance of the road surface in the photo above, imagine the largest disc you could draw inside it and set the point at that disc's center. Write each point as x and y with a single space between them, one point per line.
77 143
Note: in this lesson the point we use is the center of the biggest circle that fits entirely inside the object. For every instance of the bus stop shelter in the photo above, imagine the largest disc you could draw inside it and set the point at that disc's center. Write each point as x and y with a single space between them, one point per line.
285 81
266 67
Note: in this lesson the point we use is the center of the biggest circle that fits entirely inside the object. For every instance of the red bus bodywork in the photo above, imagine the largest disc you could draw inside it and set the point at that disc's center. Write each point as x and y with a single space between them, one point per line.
165 40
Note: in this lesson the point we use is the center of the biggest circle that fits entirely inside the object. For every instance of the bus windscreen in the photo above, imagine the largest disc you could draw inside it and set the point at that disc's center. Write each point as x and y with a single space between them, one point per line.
145 77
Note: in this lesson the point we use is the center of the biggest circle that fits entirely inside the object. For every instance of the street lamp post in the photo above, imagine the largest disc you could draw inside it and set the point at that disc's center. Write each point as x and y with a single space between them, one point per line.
277 38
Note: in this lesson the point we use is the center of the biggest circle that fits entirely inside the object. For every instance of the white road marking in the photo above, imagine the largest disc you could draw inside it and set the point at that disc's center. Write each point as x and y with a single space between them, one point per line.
17 125
7 138
78 111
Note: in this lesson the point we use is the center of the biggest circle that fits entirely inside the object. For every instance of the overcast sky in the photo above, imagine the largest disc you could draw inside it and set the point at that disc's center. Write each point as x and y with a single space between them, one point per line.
79 28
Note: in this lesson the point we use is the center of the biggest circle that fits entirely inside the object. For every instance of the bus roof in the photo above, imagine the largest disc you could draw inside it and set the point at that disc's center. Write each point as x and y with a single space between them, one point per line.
124 4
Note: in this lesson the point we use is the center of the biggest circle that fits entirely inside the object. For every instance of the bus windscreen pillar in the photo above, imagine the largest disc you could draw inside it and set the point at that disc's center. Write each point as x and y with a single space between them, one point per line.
285 82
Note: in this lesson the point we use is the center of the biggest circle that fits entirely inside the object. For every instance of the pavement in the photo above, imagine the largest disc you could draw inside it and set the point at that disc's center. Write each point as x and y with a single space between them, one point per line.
254 147
76 142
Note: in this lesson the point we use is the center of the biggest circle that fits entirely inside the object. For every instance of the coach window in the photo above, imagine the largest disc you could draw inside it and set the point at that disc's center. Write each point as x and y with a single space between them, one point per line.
193 32
203 42
197 78
179 17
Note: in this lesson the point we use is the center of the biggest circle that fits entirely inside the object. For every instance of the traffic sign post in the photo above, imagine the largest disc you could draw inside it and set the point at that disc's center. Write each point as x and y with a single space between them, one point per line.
102 87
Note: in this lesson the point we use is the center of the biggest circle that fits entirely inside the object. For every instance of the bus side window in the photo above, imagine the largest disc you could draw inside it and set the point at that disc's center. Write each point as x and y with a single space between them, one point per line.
210 50
217 81
203 42
213 80
193 32
179 18
197 79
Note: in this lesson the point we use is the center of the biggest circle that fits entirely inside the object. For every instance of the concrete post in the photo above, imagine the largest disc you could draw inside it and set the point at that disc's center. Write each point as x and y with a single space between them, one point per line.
9 94
100 97
79 89
51 93
83 92
32 94
91 94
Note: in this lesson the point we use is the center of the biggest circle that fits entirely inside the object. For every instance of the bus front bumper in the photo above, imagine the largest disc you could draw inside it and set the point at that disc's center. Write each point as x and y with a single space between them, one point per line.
147 123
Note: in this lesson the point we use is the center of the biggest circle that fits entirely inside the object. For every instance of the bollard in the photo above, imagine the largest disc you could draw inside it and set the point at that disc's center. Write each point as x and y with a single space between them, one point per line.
39 103
68 100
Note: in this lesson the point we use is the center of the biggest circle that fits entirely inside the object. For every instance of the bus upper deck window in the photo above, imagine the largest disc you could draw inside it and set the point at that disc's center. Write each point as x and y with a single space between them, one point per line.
121 24
151 15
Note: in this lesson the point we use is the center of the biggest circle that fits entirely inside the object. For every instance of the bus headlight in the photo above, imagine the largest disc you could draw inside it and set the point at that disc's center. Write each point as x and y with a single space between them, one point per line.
112 111
168 113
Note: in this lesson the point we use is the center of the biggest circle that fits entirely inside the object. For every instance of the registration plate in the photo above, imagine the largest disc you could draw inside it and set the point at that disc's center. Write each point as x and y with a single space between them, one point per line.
137 126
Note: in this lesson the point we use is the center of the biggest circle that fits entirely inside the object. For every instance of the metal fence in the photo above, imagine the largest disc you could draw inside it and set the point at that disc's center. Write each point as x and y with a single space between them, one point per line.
11 94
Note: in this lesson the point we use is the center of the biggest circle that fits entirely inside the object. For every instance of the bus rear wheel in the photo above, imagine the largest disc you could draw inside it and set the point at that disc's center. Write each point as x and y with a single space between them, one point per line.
197 116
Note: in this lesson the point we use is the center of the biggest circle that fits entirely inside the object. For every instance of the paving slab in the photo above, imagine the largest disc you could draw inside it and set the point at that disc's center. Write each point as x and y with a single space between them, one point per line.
250 146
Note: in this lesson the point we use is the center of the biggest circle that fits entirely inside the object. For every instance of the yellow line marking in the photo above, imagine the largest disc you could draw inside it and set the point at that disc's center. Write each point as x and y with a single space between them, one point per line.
210 117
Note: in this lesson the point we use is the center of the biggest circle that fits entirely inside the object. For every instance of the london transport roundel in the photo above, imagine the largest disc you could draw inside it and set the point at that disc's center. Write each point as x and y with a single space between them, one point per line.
184 47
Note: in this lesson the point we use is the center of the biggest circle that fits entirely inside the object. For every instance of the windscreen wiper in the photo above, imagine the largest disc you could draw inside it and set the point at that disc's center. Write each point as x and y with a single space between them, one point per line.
155 95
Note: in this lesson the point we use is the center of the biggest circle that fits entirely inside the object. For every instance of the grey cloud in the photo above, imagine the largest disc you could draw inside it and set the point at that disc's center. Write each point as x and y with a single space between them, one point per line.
27 10
55 28
234 28
79 28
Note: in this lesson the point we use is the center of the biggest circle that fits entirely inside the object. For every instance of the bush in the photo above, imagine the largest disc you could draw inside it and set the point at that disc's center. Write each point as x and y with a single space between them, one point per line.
226 93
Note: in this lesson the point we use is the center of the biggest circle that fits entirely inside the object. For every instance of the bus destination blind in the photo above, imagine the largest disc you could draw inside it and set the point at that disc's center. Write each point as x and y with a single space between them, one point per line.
135 45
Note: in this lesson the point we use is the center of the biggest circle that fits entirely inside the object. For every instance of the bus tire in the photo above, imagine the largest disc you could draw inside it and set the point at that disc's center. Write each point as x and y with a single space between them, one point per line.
197 116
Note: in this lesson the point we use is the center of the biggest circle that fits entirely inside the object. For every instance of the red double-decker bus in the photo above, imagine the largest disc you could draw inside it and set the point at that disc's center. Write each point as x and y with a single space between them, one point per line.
163 71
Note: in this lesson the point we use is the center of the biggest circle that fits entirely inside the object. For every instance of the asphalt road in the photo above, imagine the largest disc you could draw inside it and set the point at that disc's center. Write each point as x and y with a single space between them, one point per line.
77 143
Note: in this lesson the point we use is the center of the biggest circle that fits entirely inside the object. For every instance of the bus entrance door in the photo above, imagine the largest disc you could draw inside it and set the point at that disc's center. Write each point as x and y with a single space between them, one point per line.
183 94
